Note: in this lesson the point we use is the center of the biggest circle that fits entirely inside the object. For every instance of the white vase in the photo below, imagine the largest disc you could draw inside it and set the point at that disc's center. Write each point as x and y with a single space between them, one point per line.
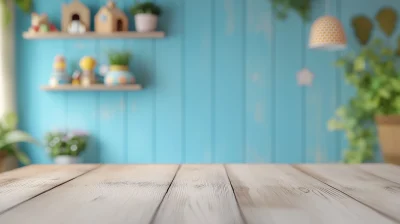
146 22
62 160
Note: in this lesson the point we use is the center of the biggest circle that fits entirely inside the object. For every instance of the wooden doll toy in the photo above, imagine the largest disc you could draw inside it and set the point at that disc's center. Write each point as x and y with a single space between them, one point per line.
87 65
59 76
40 23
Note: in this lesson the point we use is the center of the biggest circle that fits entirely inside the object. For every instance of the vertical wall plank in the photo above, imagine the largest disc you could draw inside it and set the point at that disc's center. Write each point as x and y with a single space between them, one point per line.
259 86
50 108
111 115
289 114
169 80
140 105
112 111
25 88
321 98
229 81
82 111
198 73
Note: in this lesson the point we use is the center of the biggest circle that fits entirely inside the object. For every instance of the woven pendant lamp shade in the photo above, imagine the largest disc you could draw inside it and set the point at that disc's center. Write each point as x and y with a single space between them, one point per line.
327 33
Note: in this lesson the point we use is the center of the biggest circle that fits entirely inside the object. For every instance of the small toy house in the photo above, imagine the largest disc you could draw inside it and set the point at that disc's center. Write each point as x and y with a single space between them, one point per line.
111 19
75 17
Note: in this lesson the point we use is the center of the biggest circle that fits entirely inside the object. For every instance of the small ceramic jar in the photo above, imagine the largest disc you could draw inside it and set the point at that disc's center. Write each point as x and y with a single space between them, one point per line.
119 75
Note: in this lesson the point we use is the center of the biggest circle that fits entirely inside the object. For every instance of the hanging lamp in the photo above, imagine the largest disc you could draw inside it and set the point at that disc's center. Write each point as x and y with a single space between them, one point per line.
327 33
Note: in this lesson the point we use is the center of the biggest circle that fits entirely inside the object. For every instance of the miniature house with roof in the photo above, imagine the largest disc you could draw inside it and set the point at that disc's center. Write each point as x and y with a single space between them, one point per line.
75 17
111 19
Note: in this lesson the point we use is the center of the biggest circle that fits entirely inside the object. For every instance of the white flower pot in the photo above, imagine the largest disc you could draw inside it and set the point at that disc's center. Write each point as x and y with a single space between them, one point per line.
146 22
62 160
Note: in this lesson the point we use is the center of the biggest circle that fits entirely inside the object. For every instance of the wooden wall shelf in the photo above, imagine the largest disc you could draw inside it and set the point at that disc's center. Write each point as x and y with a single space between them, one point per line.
94 35
96 87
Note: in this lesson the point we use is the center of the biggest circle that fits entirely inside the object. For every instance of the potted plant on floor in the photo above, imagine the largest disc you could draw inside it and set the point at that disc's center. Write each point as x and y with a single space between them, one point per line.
146 16
376 77
66 147
118 72
9 137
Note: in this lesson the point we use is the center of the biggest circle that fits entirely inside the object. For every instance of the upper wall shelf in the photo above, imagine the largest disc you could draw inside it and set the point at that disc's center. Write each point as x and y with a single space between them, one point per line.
94 35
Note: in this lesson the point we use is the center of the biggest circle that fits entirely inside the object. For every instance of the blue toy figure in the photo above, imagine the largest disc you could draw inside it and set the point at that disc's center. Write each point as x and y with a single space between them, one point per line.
59 76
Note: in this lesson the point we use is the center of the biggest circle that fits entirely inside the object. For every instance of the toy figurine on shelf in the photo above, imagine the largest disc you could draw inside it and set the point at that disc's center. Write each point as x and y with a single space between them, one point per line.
87 77
40 23
59 76
76 78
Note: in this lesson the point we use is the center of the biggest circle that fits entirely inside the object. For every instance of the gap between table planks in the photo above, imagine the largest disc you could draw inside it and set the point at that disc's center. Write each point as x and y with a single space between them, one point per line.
190 194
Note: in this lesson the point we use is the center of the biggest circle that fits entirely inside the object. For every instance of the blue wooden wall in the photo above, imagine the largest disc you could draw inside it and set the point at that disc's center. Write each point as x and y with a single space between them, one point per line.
221 87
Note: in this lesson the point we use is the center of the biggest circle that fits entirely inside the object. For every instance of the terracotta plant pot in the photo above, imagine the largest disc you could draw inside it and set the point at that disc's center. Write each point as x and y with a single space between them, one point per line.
146 22
7 162
389 137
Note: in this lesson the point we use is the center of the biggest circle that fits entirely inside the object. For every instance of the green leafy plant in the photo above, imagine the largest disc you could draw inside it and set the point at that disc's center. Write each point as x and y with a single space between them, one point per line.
66 143
282 8
24 5
146 8
119 58
10 136
376 77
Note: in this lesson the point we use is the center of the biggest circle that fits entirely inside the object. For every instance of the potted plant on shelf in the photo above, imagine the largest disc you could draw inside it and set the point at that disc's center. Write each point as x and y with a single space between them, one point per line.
146 16
9 137
118 72
66 147
376 78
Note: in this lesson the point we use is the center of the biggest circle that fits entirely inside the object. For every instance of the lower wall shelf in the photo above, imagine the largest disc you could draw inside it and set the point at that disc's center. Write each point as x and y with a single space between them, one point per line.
96 87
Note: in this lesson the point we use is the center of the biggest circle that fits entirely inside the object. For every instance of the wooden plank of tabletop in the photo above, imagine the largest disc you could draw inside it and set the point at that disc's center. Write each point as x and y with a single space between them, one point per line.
387 171
109 194
200 194
375 192
282 194
25 183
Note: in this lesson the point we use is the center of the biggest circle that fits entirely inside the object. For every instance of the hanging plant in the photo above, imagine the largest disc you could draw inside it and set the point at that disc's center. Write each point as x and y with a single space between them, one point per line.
24 5
374 73
283 7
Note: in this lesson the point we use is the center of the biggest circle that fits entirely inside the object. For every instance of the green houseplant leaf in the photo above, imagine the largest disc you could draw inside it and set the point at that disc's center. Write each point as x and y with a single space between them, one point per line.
9 137
146 8
119 58
16 136
283 7
24 5
376 79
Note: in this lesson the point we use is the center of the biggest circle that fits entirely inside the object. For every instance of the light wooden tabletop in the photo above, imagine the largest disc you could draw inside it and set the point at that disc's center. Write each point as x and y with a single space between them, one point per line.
194 194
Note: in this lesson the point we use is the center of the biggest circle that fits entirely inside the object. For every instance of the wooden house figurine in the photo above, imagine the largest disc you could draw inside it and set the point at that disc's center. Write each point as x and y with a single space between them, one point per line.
111 19
75 17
